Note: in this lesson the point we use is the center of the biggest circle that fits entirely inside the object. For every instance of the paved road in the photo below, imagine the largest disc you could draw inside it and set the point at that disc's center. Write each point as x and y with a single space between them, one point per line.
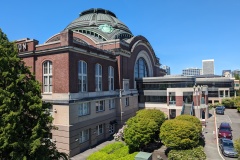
231 116
211 148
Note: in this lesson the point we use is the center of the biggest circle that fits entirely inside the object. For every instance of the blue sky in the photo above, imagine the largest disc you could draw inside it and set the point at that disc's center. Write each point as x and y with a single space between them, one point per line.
181 32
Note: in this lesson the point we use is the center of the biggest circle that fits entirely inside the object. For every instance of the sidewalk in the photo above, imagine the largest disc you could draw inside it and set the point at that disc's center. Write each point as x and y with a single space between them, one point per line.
85 154
211 148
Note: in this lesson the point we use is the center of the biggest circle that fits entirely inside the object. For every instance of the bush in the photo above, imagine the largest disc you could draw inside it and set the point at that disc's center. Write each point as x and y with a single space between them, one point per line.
122 152
191 154
101 156
192 119
120 135
129 157
154 114
114 151
139 132
237 146
228 103
179 134
110 148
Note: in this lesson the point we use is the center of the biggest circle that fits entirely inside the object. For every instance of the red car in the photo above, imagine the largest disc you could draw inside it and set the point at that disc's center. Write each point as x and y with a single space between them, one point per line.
225 130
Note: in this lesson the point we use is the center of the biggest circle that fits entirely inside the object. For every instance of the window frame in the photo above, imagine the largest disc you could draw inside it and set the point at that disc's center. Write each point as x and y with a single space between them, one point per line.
47 76
110 78
111 104
84 107
101 107
141 68
99 129
84 136
98 77
82 76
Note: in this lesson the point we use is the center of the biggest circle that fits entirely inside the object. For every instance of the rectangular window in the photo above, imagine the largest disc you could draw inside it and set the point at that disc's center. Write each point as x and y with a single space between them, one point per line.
99 129
82 76
47 77
110 78
84 136
98 77
100 106
127 101
84 109
111 103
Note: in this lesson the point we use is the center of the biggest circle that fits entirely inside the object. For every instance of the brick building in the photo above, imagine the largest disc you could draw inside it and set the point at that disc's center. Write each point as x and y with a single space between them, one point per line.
88 73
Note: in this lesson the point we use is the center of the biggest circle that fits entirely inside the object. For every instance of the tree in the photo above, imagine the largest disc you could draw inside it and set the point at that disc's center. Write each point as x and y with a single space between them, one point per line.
154 114
25 122
192 119
228 102
139 132
179 134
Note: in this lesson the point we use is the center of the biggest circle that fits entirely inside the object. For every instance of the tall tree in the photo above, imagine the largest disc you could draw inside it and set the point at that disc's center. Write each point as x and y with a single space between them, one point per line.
25 122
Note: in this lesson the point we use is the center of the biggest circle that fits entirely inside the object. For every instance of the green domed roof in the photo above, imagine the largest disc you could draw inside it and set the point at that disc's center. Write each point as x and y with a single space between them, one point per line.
100 24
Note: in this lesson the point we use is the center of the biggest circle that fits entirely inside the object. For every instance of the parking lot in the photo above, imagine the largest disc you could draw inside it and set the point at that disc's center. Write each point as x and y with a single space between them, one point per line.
233 118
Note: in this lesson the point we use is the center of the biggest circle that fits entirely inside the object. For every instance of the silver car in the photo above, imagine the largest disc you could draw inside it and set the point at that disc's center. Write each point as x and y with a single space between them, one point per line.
227 148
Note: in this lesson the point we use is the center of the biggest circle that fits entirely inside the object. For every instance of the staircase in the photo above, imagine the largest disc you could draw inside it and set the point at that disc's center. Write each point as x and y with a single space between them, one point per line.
187 109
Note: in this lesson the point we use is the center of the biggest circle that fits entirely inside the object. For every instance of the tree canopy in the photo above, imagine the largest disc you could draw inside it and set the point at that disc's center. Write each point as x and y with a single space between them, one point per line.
192 119
179 134
139 132
25 122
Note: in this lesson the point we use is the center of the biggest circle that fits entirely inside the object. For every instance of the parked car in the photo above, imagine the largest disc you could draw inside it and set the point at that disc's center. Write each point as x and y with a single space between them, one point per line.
219 110
225 130
227 148
222 107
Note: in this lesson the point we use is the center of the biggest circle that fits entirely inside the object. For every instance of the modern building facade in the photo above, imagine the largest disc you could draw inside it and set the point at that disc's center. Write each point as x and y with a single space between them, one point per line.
227 73
174 95
236 72
167 69
208 67
191 71
219 88
88 73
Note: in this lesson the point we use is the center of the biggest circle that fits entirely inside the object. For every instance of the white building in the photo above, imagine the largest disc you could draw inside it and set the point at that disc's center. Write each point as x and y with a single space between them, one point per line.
208 66
191 71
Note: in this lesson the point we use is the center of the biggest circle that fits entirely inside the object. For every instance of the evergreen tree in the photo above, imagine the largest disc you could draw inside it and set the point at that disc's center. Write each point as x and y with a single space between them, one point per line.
25 122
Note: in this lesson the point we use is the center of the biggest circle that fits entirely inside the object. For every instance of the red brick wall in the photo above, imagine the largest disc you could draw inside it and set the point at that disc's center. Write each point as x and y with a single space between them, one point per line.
60 74
179 100
91 62
29 61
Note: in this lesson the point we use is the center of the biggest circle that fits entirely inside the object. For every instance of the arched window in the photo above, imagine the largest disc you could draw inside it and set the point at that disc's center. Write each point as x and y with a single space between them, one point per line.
140 68
47 77
82 76
98 77
110 78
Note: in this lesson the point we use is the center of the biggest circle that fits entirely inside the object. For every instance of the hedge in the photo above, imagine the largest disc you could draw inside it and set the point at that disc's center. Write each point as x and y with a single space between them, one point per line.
190 154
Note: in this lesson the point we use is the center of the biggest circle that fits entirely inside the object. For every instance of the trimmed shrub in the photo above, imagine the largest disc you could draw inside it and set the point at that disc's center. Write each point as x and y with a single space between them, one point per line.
179 134
122 152
110 148
190 154
228 103
139 132
154 114
101 155
114 151
129 157
192 119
